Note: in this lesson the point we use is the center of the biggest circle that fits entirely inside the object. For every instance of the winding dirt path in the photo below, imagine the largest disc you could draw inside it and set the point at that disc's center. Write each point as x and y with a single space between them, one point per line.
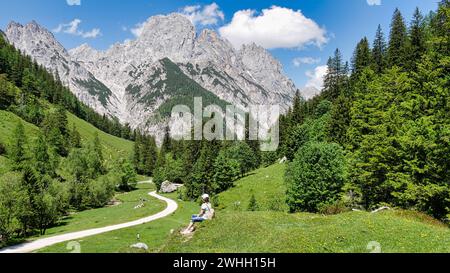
27 247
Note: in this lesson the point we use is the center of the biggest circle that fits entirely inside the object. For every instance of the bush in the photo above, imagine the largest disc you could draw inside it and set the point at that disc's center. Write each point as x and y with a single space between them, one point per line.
226 171
334 208
100 191
310 130
127 175
316 176
276 204
268 158
253 204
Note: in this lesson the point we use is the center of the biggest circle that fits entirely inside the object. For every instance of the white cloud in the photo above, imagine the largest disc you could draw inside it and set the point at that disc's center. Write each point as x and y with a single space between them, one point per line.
374 2
73 2
94 33
137 29
72 28
275 27
315 80
297 62
208 15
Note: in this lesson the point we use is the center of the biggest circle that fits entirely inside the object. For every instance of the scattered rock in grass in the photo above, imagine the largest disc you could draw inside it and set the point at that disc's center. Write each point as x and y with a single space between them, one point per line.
141 205
140 246
381 209
114 203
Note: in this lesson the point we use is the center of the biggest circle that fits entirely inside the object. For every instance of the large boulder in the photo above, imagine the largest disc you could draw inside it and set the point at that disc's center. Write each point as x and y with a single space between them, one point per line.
168 187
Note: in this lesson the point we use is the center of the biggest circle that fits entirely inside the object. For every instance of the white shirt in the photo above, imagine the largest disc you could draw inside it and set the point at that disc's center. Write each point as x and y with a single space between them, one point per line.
206 207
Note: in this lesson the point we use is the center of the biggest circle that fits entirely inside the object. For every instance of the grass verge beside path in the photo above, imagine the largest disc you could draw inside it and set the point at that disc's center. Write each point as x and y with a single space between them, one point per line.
154 234
121 213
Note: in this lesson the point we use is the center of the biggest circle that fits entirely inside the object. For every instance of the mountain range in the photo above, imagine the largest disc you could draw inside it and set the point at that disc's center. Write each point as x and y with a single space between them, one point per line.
139 81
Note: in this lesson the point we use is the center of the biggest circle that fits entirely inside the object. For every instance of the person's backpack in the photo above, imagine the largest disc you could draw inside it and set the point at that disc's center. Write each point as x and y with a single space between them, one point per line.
211 213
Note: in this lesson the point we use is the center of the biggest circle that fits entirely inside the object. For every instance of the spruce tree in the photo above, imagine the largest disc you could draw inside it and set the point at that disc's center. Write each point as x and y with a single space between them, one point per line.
149 155
253 204
98 147
17 152
75 138
336 78
361 57
137 162
297 115
379 51
41 157
417 39
398 42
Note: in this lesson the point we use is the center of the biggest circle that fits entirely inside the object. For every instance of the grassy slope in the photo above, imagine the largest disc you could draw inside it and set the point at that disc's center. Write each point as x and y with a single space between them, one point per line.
236 230
266 184
240 231
113 147
309 233
8 122
121 213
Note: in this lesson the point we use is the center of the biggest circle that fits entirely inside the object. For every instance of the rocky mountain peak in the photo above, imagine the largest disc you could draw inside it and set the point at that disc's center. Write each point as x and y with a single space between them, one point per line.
13 25
210 47
83 53
258 58
170 36
31 37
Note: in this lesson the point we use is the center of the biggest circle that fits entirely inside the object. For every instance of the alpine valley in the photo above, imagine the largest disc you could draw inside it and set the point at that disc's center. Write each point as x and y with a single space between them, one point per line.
139 81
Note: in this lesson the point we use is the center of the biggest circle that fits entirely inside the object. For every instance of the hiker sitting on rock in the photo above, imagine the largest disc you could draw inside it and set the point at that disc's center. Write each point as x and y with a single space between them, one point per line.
206 213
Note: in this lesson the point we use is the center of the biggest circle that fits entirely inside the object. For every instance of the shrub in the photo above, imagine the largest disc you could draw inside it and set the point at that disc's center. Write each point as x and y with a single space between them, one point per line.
253 204
226 171
127 175
334 208
316 176
268 158
276 204
100 191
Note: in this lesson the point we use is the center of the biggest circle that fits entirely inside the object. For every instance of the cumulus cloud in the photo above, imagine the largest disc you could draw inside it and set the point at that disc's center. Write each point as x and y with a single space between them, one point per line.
374 2
206 15
315 81
137 29
276 27
297 62
74 2
72 28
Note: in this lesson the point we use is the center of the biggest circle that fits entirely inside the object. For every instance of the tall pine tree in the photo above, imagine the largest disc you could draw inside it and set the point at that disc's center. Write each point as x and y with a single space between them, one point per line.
398 42
379 51
361 57
417 39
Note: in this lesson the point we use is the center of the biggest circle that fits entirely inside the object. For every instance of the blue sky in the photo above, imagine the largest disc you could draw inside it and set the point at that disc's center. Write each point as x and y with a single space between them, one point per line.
303 46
